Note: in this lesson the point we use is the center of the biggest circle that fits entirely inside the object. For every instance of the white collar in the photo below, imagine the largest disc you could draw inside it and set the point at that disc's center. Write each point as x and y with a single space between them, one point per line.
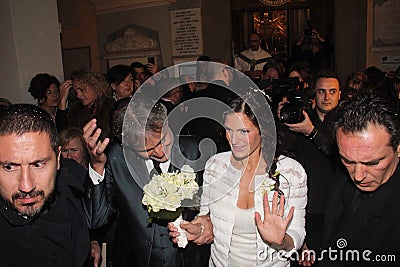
257 52
163 165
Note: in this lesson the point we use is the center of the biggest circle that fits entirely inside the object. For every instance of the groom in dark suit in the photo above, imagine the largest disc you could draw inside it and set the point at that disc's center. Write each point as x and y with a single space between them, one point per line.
119 177
363 213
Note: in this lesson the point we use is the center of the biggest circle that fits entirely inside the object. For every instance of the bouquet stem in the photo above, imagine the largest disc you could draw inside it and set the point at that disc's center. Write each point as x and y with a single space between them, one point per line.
183 241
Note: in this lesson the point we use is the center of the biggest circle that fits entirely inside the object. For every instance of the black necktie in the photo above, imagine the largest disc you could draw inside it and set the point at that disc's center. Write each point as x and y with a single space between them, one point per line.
156 168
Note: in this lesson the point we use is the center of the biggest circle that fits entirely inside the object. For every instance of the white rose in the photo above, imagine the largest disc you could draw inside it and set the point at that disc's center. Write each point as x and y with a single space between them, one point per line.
187 169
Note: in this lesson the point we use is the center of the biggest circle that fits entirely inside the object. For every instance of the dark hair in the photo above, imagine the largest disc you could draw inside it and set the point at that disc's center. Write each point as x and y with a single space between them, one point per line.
374 74
244 106
40 83
305 71
356 83
272 64
203 58
395 92
326 73
5 102
26 118
363 110
397 73
136 64
378 82
239 105
256 33
117 74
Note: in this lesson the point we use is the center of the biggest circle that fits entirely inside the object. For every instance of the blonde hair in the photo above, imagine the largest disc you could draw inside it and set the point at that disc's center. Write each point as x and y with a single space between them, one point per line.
96 80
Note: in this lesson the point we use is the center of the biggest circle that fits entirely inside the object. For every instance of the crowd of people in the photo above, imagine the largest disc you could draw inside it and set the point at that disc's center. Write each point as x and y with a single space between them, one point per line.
73 166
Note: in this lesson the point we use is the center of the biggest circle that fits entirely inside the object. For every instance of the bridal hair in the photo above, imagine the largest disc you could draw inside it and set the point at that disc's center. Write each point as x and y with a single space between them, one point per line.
242 105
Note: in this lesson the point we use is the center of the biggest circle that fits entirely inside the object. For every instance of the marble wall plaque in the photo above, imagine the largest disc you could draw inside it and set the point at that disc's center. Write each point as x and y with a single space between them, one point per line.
186 32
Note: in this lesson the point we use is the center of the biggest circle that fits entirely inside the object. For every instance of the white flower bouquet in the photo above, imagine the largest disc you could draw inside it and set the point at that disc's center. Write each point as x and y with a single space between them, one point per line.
164 194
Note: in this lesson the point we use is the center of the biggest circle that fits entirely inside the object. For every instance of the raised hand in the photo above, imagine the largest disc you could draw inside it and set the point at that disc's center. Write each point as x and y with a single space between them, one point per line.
273 228
152 68
95 146
65 86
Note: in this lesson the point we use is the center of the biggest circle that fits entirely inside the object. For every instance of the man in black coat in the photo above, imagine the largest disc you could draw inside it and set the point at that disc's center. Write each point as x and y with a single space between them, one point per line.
150 147
313 142
363 211
42 222
208 105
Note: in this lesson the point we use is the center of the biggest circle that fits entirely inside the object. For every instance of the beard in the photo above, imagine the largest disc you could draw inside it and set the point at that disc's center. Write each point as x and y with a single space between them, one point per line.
32 209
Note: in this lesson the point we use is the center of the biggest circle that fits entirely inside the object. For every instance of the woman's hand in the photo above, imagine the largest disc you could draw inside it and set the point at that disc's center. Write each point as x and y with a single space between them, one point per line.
207 234
198 230
65 86
273 228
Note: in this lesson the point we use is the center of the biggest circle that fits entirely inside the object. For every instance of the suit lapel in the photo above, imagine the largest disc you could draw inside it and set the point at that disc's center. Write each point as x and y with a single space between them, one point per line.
137 167
177 158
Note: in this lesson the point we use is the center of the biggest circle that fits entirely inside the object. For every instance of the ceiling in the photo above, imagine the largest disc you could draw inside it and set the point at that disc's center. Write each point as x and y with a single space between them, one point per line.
105 6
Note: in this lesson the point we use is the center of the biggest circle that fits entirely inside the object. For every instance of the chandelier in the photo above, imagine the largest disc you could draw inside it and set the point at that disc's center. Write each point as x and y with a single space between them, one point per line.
274 2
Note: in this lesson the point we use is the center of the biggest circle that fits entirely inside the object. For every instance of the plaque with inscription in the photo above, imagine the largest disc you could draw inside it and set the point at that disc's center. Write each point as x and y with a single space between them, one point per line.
386 22
186 32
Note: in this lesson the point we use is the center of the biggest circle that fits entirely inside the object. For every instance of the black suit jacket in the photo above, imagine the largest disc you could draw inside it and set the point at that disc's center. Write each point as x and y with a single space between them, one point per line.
137 242
206 109
57 237
373 226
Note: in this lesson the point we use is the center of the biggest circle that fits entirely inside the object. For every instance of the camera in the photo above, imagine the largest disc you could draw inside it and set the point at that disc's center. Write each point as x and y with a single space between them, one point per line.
292 112
298 97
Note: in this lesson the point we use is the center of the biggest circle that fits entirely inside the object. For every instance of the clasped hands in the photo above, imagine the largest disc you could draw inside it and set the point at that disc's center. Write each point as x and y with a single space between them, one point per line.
199 230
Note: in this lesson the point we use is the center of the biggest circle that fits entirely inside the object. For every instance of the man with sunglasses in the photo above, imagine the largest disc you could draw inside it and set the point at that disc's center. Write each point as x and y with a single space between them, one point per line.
149 147
252 60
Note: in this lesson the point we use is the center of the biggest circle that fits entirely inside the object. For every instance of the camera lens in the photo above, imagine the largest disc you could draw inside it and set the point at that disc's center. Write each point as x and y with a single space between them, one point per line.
291 113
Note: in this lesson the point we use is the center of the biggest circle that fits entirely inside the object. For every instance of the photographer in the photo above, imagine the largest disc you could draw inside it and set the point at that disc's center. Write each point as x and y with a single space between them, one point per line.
303 71
312 141
313 49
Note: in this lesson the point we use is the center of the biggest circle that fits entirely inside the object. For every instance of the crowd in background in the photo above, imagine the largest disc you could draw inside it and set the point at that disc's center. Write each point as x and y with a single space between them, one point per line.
88 95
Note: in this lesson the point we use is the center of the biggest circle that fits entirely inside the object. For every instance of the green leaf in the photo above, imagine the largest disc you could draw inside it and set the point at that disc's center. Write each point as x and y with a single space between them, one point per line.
165 215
